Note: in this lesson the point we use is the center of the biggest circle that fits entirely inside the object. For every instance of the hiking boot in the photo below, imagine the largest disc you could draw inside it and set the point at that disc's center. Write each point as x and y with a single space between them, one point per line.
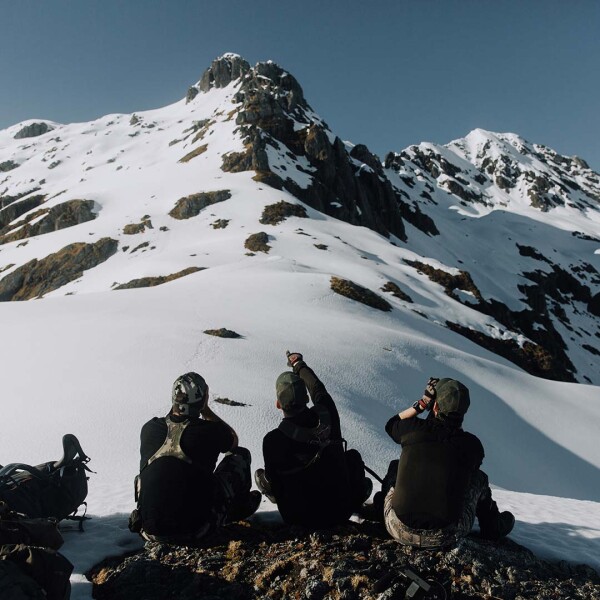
264 485
242 509
496 528
374 510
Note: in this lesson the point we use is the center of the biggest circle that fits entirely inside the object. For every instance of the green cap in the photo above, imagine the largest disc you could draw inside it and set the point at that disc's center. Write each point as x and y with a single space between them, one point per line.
291 392
452 398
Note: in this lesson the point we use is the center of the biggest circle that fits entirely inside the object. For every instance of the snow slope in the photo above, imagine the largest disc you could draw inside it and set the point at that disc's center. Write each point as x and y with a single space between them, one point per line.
98 363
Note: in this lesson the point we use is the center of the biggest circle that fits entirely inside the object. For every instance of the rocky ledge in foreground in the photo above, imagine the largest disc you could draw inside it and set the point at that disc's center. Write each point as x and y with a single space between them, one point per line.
356 561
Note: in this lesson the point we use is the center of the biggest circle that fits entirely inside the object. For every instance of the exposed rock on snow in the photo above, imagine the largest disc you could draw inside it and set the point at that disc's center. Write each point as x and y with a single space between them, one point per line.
61 216
273 214
352 290
223 71
38 277
190 206
33 130
159 280
223 333
257 242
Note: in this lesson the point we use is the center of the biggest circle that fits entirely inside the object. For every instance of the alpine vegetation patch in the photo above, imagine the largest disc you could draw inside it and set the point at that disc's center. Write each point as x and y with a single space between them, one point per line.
352 290
257 242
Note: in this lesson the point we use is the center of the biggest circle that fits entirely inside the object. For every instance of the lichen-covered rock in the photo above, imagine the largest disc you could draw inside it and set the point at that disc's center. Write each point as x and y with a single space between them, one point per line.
33 130
273 214
358 561
158 280
190 206
61 216
38 277
356 292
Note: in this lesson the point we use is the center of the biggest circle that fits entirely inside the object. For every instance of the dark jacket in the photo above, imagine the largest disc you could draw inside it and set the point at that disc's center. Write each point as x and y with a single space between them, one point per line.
436 464
176 496
317 495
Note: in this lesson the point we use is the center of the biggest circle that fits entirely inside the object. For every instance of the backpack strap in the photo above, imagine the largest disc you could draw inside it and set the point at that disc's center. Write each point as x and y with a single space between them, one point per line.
316 435
172 444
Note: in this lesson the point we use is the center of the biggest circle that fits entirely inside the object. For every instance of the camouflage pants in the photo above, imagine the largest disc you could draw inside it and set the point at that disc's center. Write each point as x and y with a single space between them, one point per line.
233 483
434 538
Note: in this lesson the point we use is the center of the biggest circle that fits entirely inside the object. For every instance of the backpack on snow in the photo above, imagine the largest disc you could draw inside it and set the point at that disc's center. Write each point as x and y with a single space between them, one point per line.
52 489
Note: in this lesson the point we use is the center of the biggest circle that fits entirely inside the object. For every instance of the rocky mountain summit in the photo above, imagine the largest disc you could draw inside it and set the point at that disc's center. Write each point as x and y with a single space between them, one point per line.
352 562
507 230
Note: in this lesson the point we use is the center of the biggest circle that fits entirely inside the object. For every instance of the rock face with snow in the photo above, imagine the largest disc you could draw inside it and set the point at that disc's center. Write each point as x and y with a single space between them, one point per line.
503 232
33 130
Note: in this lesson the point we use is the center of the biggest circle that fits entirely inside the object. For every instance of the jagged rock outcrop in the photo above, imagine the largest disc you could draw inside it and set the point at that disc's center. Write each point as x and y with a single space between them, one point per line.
33 130
14 208
348 184
61 216
190 206
352 562
38 277
223 71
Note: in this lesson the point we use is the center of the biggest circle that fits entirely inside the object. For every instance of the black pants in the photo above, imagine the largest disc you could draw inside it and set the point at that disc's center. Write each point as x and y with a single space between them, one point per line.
233 483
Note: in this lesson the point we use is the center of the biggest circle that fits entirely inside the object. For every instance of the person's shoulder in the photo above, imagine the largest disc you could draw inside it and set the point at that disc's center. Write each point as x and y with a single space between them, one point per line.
154 422
472 439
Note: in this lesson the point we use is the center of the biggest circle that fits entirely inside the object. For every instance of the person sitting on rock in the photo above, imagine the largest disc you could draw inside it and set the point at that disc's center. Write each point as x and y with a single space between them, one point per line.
181 495
439 487
308 473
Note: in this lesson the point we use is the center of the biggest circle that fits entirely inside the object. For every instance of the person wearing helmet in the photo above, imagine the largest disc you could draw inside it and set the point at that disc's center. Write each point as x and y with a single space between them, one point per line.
432 495
308 473
181 491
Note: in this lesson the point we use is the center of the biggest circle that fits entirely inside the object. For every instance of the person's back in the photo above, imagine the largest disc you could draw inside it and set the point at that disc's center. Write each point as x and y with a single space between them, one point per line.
310 483
170 486
307 471
439 488
436 464
181 491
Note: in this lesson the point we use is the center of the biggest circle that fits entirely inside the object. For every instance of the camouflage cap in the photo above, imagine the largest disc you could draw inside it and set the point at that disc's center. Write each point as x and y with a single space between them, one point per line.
452 398
291 392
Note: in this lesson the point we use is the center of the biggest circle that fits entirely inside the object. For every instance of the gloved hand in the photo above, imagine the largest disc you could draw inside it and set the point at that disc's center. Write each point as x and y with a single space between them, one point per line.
428 398
293 358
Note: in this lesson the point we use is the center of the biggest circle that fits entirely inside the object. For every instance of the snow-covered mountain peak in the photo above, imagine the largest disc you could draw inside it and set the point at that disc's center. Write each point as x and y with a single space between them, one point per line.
146 193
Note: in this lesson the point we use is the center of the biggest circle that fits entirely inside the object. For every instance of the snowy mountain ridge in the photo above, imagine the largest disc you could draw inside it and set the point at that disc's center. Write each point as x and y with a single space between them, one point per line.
238 207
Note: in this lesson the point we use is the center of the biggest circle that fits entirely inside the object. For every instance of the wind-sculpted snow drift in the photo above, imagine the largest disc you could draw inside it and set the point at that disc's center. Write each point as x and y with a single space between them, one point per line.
485 249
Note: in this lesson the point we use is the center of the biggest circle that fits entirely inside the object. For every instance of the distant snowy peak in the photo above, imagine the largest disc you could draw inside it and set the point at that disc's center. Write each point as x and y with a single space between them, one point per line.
489 170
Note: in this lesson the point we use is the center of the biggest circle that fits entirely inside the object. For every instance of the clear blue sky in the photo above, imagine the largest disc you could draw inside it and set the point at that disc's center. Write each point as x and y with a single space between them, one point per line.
384 73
